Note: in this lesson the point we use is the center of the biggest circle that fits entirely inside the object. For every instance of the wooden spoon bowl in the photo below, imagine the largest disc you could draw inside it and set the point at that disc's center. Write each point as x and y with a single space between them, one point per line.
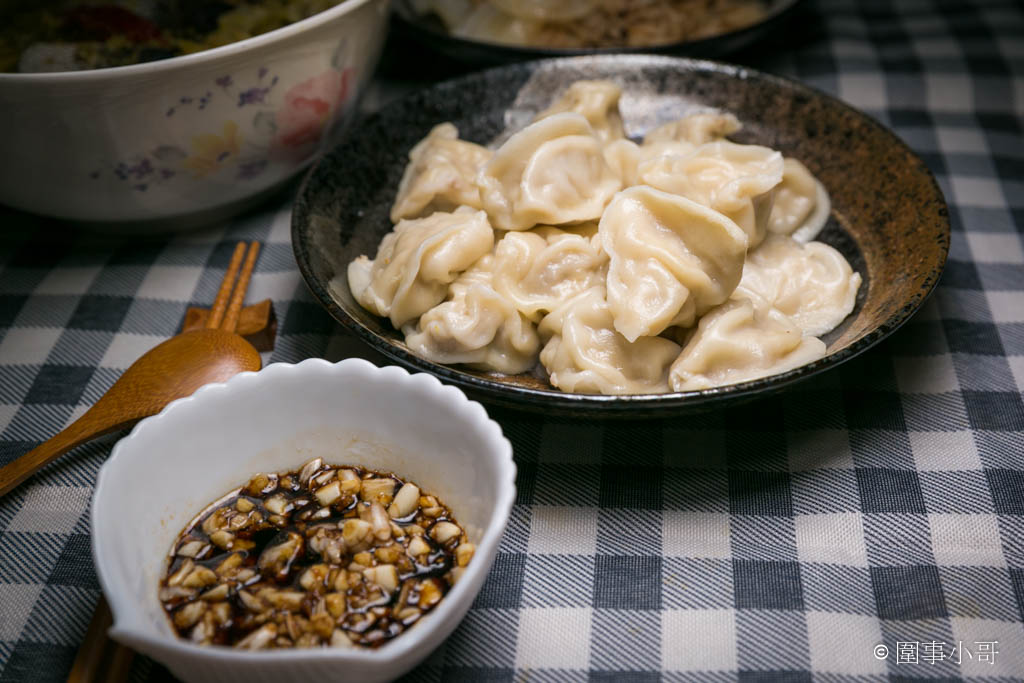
169 371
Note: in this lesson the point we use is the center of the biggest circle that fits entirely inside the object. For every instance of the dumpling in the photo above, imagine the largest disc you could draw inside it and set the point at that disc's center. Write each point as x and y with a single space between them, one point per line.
677 138
695 129
810 283
597 101
737 343
736 180
491 25
671 259
417 260
623 157
801 204
538 269
476 326
550 172
653 150
440 176
585 354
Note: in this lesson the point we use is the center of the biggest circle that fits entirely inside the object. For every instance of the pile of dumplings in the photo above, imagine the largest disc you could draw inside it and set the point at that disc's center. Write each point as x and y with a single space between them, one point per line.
679 264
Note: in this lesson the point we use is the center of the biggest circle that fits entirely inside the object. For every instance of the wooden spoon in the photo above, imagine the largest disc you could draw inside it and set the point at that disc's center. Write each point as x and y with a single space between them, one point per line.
171 370
99 657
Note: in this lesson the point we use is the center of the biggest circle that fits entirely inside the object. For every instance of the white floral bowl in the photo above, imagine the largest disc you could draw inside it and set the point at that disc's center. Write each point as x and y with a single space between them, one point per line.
187 139
174 464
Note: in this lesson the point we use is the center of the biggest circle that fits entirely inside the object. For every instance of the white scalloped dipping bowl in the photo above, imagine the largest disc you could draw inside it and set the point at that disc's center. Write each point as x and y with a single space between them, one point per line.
170 144
173 465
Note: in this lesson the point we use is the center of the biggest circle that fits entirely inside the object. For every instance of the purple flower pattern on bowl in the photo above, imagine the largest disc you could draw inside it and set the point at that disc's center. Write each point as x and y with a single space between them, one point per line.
286 133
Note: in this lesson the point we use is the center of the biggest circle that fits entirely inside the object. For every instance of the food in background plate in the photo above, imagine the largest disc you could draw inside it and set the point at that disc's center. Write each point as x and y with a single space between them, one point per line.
679 263
591 23
72 35
325 555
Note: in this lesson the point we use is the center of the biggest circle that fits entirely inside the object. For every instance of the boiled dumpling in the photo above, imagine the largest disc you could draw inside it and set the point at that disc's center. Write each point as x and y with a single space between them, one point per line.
623 157
491 25
695 129
550 172
653 150
671 259
810 283
801 204
476 326
597 101
440 176
585 354
538 269
677 138
417 260
700 273
736 343
736 180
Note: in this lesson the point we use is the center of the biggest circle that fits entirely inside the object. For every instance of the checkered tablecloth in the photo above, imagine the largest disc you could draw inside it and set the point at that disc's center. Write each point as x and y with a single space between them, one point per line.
864 519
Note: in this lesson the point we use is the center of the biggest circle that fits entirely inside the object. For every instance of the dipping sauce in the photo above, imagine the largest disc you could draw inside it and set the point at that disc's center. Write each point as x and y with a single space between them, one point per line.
338 556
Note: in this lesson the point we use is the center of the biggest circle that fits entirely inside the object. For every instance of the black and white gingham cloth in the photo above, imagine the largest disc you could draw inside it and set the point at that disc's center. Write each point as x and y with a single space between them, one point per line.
866 524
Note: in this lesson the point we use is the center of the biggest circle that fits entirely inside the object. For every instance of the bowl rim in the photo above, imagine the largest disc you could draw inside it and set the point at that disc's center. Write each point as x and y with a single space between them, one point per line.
119 600
517 51
159 66
627 405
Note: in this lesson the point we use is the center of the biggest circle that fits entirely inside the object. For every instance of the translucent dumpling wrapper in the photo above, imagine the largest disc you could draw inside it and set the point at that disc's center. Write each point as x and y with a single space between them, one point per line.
489 24
653 150
695 129
440 176
736 180
539 269
624 156
671 260
736 342
700 273
812 284
476 326
585 354
596 101
801 205
416 262
551 172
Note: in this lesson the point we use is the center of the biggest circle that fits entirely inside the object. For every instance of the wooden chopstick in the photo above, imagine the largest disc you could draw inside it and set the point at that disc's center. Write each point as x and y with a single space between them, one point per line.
99 658
235 308
119 663
220 304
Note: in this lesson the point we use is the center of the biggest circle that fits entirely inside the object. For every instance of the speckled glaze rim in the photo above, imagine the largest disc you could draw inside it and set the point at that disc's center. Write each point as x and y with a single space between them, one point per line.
632 405
501 53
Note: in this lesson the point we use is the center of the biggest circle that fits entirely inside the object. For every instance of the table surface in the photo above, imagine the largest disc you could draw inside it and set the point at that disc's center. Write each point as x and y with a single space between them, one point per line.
880 504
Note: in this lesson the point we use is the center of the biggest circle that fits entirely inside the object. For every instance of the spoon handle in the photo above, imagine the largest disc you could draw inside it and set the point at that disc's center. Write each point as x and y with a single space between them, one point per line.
94 422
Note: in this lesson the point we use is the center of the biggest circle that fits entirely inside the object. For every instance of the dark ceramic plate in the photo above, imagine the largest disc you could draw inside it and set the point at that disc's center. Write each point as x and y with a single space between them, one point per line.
429 32
888 215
